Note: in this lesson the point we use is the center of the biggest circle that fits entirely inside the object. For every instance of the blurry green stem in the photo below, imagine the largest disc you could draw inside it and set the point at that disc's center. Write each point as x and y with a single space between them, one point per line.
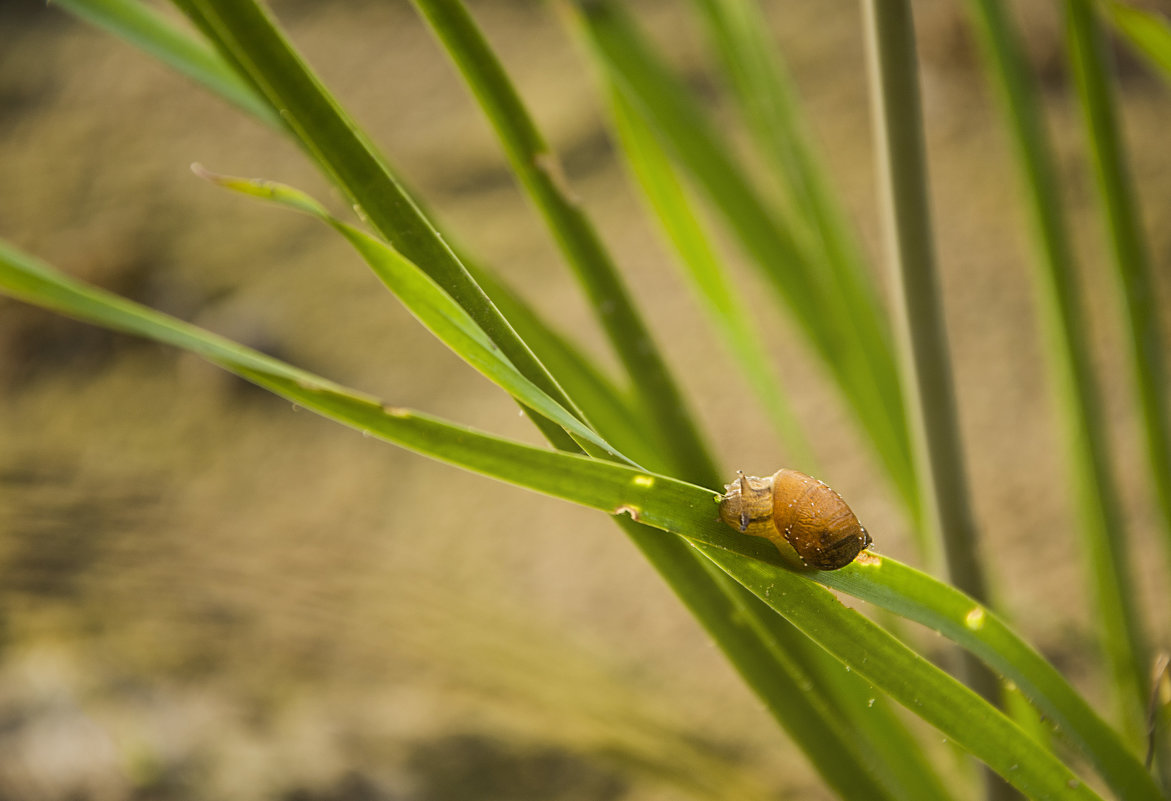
1096 502
251 43
835 324
142 26
741 38
922 336
720 604
919 324
1132 263
666 195
542 179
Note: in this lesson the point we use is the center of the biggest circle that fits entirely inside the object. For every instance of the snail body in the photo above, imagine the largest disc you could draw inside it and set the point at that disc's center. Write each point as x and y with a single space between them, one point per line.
797 513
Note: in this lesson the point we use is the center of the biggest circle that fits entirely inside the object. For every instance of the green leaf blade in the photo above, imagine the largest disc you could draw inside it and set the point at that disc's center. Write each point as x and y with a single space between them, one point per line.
541 176
861 365
249 40
909 679
426 301
657 501
143 27
666 196
1148 32
1130 255
1093 484
914 595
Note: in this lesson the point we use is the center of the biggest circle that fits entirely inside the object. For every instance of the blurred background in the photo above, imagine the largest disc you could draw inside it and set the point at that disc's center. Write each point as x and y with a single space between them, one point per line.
205 593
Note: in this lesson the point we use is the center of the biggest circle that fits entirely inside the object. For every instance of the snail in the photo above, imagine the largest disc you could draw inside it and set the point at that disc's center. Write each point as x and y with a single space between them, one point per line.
797 513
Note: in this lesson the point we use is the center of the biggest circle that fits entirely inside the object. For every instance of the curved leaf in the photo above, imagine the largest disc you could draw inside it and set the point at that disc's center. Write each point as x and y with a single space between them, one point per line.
658 501
146 29
540 175
426 300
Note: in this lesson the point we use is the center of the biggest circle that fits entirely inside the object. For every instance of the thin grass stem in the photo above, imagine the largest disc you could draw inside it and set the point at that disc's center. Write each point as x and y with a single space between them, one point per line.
253 46
540 174
1131 261
919 324
1097 506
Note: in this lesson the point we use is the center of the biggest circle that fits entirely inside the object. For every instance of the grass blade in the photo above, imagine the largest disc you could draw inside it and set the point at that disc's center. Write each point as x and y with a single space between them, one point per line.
1093 486
740 36
532 162
250 41
657 501
922 332
750 650
540 174
142 26
1093 73
922 335
865 711
429 304
602 402
917 596
1131 257
746 630
861 365
597 484
916 684
1149 33
665 194
617 489
898 756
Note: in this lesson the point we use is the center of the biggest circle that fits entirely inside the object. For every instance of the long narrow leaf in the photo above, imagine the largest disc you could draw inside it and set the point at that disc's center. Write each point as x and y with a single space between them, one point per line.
657 501
534 165
1093 484
828 746
766 97
594 483
864 710
1088 52
665 194
540 175
604 404
919 321
899 757
917 596
1149 32
924 360
251 42
851 341
1122 220
748 632
142 26
755 652
925 690
427 301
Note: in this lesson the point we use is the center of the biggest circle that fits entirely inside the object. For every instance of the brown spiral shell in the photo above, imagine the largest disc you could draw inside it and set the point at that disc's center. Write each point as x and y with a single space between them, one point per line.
796 511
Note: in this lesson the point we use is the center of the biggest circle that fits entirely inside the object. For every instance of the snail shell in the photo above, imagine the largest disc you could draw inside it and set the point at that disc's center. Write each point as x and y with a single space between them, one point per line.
793 509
